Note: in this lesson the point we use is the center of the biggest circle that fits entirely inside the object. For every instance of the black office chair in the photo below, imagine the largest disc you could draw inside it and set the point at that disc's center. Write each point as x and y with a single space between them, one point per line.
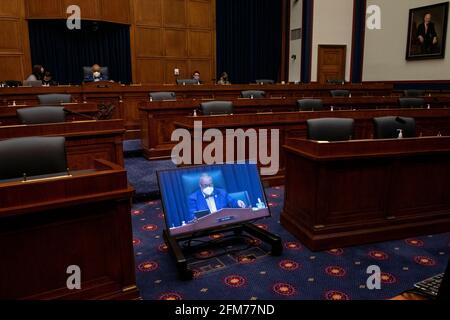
411 102
414 93
38 115
336 81
217 107
187 81
32 156
265 81
161 96
330 129
88 71
340 93
388 127
311 105
256 94
54 99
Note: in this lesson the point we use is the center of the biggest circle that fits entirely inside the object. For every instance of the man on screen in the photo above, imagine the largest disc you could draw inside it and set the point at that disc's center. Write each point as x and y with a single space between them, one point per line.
427 35
210 198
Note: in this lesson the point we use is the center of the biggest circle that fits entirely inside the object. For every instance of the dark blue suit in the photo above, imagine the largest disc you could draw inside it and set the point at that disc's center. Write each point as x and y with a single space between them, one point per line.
197 202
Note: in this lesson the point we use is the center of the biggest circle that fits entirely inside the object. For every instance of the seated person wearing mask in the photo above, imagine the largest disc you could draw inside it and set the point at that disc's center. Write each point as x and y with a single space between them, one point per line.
96 75
38 73
210 198
196 77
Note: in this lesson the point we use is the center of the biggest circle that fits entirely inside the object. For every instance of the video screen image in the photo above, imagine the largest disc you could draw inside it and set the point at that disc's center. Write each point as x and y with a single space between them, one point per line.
202 198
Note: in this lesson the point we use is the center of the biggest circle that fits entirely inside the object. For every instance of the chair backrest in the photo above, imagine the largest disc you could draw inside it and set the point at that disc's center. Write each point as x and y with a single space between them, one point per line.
217 107
54 99
310 105
411 102
264 81
388 127
243 196
330 129
187 81
37 115
32 156
336 81
340 93
88 70
257 94
160 96
412 93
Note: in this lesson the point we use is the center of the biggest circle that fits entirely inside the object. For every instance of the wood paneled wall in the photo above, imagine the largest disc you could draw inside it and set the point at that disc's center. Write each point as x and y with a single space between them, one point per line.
169 34
15 59
105 10
165 34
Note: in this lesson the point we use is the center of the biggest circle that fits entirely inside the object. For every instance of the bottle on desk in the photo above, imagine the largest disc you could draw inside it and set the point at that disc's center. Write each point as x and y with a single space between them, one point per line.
251 97
428 106
151 98
400 133
332 108
195 113
14 104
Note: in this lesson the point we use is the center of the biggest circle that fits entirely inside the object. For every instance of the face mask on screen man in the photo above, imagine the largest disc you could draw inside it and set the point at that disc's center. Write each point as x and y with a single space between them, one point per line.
240 146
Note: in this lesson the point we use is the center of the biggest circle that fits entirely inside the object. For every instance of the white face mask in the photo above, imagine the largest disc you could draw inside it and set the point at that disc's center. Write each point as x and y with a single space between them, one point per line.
208 191
97 74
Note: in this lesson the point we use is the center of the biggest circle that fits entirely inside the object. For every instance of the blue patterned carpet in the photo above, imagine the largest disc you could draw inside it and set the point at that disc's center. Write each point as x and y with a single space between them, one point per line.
299 274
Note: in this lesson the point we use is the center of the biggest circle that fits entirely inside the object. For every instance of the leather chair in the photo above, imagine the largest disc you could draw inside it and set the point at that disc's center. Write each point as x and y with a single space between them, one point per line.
32 156
217 107
161 96
414 93
411 102
187 82
388 127
336 81
54 99
311 105
330 129
257 94
38 115
265 81
340 93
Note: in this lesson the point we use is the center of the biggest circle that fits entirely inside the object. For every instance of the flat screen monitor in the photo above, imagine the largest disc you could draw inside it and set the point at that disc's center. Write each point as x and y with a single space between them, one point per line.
202 199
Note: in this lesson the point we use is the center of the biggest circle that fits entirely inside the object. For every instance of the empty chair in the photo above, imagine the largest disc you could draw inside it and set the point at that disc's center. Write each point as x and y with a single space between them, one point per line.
411 102
330 129
257 94
310 105
32 156
414 93
388 127
160 96
340 93
336 81
187 81
217 107
265 81
54 99
37 115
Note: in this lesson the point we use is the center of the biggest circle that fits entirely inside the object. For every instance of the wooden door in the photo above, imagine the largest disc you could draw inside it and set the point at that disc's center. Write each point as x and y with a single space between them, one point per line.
331 63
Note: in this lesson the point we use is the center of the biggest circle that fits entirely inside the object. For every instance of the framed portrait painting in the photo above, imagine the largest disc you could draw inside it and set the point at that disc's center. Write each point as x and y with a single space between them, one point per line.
427 32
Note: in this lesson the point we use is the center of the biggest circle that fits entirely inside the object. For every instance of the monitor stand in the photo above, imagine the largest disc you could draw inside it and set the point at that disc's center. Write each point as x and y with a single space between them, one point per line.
186 274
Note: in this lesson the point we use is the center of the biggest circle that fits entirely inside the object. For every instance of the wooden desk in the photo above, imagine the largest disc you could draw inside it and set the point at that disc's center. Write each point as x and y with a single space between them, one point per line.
357 192
293 125
158 118
8 114
85 140
128 97
48 225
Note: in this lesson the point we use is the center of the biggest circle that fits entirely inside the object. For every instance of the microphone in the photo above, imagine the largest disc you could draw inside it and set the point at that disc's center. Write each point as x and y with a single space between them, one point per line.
78 114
